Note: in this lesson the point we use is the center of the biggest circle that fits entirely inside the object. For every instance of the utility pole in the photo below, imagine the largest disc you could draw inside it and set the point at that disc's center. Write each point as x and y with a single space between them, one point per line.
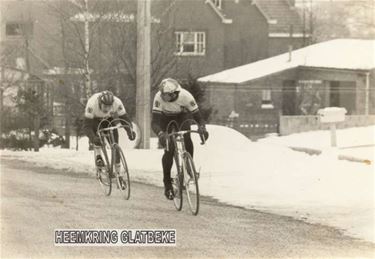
87 50
2 87
143 71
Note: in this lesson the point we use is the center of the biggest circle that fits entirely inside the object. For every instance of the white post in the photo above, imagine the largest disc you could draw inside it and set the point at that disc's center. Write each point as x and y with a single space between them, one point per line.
332 127
367 94
143 71
87 49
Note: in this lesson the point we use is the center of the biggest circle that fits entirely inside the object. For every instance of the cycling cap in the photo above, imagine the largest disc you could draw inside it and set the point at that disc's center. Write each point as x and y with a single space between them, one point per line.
169 85
106 98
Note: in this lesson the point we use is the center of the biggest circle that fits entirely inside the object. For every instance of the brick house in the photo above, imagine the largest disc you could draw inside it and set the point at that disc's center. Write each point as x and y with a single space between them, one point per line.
204 36
336 73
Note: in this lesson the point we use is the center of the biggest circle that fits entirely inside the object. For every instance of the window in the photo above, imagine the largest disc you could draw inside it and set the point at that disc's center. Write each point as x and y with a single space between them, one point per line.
190 43
13 29
266 99
217 3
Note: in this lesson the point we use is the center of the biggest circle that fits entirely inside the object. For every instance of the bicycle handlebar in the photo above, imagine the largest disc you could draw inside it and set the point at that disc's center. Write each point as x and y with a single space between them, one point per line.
113 128
182 132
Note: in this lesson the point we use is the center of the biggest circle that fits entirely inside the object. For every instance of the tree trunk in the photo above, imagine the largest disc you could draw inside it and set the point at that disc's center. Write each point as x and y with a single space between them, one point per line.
36 132
1 114
67 126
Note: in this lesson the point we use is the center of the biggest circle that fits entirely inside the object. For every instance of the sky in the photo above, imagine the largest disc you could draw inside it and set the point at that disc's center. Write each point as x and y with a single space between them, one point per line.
265 175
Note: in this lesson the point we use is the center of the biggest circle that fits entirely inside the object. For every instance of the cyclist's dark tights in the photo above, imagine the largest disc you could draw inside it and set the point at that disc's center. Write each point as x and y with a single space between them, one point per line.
167 159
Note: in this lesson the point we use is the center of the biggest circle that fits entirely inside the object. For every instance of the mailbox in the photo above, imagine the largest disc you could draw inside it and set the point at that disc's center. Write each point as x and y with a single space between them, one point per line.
332 114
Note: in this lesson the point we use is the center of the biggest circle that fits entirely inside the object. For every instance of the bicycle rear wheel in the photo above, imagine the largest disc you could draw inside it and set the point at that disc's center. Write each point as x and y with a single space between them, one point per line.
191 183
123 179
177 188
102 174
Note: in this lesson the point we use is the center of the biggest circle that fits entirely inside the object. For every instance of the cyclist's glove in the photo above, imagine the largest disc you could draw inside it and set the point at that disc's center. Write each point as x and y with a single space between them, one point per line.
202 131
96 141
131 134
162 138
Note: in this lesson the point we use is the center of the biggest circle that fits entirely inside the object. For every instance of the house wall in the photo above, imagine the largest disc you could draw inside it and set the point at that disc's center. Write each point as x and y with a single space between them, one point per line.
43 33
278 45
246 100
228 45
358 78
246 39
198 16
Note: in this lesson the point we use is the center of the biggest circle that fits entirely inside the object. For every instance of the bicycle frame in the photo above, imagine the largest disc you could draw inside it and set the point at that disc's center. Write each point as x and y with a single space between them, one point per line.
107 139
108 134
186 173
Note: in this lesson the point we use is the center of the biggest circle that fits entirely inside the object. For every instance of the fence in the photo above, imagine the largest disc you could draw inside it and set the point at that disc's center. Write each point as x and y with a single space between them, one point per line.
296 124
254 127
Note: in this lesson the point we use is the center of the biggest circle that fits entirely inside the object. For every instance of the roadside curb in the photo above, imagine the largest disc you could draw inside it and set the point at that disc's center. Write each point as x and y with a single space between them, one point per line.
354 159
312 151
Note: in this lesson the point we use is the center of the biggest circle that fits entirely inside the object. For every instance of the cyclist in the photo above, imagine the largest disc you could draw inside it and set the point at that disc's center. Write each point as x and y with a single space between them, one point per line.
104 105
173 103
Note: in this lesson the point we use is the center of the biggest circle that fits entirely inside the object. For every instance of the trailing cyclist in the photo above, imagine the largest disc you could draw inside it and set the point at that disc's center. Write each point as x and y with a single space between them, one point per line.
173 103
104 105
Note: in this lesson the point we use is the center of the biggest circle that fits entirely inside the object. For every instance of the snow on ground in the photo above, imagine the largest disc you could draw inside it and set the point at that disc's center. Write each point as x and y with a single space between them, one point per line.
264 175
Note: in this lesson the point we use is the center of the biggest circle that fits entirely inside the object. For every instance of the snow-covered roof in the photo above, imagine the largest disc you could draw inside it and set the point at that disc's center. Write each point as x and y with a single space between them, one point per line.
351 54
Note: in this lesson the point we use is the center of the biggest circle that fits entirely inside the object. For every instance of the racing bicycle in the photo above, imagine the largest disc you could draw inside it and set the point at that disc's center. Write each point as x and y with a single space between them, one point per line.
187 176
110 150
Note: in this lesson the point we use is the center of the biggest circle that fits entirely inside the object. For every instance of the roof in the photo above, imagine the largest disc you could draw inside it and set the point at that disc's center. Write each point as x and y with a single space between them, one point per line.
350 54
280 15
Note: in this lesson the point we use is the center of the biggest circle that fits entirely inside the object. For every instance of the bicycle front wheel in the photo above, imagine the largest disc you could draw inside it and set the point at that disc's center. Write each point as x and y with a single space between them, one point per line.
177 187
191 184
102 174
123 179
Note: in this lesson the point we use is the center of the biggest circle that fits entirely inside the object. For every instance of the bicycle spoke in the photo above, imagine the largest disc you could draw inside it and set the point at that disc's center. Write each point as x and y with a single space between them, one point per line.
104 180
191 183
123 179
177 187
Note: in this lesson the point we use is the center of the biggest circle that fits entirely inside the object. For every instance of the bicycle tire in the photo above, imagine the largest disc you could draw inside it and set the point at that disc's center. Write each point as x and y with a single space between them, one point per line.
177 182
191 183
122 177
103 176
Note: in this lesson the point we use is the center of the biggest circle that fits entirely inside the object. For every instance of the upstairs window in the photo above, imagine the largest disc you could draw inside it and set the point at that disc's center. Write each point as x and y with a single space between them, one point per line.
190 43
217 3
16 29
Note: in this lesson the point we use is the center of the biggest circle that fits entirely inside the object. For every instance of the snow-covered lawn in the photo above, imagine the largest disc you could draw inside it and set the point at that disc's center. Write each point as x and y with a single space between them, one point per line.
264 175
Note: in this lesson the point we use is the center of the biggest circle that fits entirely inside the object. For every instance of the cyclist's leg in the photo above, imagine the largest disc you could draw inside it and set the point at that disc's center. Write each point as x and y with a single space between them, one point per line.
97 148
189 144
187 139
117 162
167 162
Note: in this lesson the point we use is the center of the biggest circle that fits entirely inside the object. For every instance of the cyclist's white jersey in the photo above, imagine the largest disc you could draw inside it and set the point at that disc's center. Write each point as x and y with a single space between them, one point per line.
184 102
92 109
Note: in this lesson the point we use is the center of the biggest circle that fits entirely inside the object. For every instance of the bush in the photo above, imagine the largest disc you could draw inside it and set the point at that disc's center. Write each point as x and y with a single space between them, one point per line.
12 142
18 140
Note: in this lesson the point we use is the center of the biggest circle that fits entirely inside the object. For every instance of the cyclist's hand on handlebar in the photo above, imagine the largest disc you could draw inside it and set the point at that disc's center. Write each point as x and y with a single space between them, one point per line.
131 134
203 132
162 138
96 141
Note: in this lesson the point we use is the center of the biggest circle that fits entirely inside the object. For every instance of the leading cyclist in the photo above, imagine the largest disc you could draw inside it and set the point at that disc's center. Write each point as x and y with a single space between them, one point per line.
104 105
173 103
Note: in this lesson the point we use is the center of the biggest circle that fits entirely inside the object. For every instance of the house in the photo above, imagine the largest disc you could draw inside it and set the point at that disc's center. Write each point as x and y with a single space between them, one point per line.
207 36
188 38
337 73
12 80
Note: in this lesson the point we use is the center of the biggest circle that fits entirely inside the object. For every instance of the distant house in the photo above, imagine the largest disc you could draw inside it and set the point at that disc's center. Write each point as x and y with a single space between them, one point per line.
12 79
207 35
197 37
337 73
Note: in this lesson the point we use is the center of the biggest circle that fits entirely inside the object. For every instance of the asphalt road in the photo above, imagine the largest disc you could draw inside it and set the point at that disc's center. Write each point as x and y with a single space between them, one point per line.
36 201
